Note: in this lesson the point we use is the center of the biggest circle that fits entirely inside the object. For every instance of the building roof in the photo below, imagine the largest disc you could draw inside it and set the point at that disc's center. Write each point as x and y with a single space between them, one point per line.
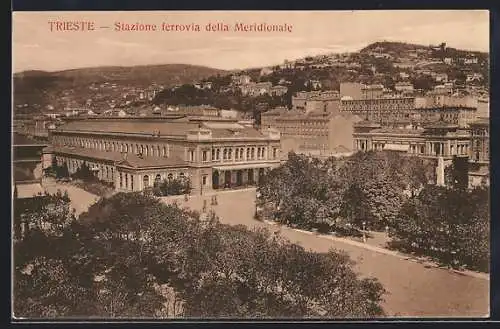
221 128
240 132
135 161
129 160
89 153
275 111
135 126
366 124
480 122
19 139
403 131
441 125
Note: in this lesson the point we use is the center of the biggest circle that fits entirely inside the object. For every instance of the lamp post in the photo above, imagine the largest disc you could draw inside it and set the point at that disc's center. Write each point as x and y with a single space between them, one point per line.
364 232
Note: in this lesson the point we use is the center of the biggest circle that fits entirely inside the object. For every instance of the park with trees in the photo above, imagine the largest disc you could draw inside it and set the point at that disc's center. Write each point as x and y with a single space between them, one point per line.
377 191
131 256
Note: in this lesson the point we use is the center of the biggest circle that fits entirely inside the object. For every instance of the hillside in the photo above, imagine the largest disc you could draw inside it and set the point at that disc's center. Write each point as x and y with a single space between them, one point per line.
401 49
40 88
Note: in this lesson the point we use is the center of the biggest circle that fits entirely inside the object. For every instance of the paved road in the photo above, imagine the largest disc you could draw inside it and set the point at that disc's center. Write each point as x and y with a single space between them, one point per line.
80 199
414 289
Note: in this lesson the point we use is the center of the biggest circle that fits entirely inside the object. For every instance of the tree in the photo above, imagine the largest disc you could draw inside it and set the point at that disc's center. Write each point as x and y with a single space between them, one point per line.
84 173
423 82
354 206
120 253
447 224
57 269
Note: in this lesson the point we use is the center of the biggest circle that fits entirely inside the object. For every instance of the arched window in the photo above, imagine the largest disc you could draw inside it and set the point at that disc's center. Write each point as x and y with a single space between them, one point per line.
170 176
158 150
241 153
248 153
230 154
224 154
131 182
218 154
164 151
157 180
145 181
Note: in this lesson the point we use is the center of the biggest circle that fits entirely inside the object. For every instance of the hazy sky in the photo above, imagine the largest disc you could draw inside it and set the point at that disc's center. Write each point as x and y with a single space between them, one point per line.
35 47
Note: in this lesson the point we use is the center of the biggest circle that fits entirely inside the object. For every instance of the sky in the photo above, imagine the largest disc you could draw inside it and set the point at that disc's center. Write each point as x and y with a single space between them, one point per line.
36 47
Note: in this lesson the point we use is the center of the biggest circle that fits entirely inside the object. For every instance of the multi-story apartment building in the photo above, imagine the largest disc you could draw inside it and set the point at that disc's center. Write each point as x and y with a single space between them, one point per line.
136 153
309 101
397 111
386 111
314 132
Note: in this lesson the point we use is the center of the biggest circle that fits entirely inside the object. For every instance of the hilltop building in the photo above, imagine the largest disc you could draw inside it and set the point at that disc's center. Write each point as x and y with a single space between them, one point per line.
241 79
256 89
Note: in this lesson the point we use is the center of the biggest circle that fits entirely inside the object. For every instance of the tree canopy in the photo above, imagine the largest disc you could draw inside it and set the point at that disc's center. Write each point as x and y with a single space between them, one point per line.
131 256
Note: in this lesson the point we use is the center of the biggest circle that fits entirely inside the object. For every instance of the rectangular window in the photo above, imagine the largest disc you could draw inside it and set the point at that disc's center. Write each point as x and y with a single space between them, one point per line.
205 156
204 180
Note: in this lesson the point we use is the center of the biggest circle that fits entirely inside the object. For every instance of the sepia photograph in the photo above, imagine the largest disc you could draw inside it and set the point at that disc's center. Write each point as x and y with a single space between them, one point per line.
298 165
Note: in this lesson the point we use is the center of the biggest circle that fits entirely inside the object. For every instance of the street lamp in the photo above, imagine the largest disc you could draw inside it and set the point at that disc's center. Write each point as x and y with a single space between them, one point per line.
364 232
